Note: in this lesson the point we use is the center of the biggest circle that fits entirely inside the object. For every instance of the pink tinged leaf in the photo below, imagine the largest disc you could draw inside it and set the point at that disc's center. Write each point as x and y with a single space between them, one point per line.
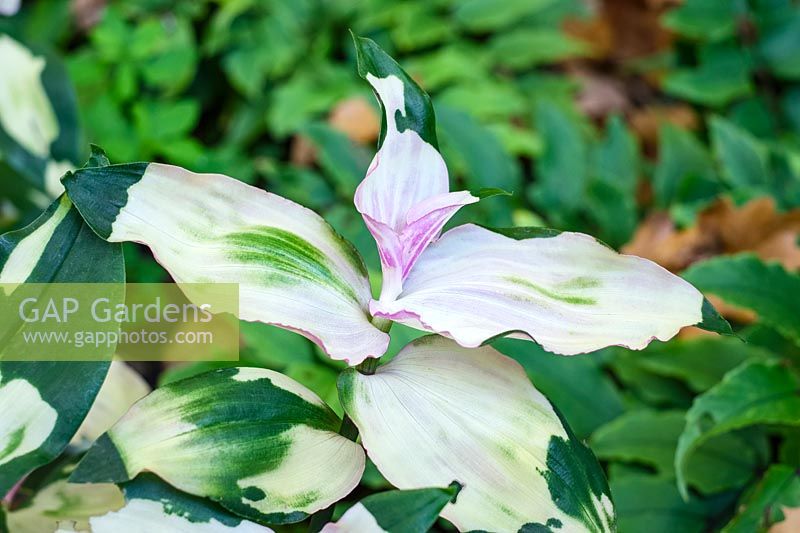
404 198
568 292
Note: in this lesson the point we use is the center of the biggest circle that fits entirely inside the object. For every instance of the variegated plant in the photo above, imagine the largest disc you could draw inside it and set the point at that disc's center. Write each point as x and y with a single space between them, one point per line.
241 448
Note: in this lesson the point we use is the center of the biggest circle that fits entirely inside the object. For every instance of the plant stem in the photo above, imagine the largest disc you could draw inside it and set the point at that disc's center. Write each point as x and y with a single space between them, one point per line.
348 428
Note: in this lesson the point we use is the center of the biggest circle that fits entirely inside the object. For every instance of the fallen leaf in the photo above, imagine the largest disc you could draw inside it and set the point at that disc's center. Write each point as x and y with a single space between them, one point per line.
302 152
722 228
790 523
647 121
357 119
600 95
87 13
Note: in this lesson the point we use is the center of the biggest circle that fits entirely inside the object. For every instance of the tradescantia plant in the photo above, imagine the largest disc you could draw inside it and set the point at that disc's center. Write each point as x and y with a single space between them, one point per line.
451 422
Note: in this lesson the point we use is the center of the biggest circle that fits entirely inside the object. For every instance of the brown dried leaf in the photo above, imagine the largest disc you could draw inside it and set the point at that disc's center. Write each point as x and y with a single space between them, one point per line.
357 119
790 523
722 228
647 121
601 95
87 13
302 151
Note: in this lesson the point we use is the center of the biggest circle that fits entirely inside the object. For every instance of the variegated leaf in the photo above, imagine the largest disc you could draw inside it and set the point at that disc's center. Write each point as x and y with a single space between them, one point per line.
293 269
122 388
39 131
395 511
439 412
404 198
55 501
44 403
254 440
566 291
153 506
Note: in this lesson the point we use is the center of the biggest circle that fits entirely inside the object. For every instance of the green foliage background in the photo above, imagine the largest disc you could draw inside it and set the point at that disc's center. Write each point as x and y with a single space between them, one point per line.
245 88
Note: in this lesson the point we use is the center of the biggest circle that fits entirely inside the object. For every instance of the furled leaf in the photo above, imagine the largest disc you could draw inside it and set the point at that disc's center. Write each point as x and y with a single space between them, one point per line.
757 392
282 457
397 511
650 437
764 506
566 291
746 281
293 270
404 198
45 402
152 505
433 415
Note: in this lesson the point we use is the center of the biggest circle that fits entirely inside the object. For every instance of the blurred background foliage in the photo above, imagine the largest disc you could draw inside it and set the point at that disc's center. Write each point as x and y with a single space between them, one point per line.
667 128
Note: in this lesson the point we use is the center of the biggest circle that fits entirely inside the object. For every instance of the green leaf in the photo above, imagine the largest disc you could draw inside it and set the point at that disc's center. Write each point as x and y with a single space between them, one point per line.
780 48
683 159
703 19
742 157
399 511
652 504
562 169
524 48
584 395
746 281
486 15
487 163
763 507
50 399
283 458
343 160
649 438
701 362
722 76
757 392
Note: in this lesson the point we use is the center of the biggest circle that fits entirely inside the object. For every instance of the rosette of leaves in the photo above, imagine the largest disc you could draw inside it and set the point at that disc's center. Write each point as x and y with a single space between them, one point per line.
447 411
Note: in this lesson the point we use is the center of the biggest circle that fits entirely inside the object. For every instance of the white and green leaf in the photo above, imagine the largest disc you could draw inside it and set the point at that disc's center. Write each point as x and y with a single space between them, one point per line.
269 447
566 291
56 501
152 505
439 412
39 132
46 401
292 268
